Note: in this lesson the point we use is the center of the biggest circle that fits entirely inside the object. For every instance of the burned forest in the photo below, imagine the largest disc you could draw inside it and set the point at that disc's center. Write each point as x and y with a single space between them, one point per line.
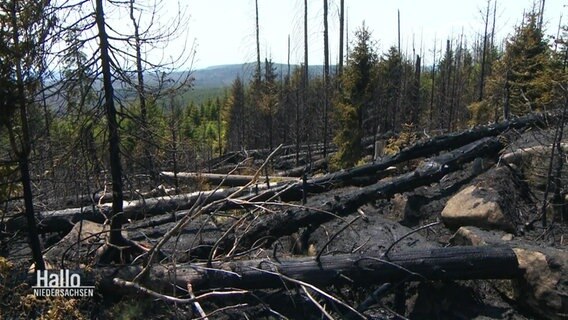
393 183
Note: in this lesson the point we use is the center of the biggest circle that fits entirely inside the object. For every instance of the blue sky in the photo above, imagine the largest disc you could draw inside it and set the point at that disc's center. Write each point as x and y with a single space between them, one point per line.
224 29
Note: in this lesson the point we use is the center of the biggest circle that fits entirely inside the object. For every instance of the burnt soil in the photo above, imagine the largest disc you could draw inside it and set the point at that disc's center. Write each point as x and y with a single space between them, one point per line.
376 226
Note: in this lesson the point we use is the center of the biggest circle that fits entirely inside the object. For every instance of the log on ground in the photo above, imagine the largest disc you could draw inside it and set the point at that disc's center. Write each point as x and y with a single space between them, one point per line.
276 225
63 220
454 263
232 180
369 173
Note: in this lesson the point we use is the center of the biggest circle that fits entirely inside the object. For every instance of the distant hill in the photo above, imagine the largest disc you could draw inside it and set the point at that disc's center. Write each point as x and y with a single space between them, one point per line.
214 81
209 83
223 75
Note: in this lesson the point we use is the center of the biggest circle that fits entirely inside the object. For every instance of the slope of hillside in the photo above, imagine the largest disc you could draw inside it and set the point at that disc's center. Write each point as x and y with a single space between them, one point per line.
223 75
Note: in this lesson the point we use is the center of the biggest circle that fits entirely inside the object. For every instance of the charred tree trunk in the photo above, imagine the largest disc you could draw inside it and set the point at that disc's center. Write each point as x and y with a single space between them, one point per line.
433 78
116 220
325 77
454 263
484 54
257 43
304 95
141 90
341 35
232 180
25 145
416 109
492 41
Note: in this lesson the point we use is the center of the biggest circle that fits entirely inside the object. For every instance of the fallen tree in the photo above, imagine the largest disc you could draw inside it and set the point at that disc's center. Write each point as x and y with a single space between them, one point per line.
299 171
453 263
100 197
231 180
63 220
322 209
369 173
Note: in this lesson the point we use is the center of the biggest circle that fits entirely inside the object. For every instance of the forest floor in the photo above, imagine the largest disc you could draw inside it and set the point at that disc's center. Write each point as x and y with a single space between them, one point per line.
416 219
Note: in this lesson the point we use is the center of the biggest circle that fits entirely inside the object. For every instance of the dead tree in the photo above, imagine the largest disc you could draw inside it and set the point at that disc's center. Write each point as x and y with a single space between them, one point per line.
341 35
21 58
257 30
114 138
454 263
325 77
484 54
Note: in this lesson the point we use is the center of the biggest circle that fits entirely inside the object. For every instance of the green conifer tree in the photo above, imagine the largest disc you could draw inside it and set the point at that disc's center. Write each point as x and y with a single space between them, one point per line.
359 81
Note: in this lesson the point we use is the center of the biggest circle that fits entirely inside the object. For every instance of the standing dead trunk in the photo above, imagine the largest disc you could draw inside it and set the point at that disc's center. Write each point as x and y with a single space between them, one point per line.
174 123
147 162
325 77
492 42
116 220
417 108
288 59
25 145
257 44
304 95
398 32
541 15
341 35
433 77
484 54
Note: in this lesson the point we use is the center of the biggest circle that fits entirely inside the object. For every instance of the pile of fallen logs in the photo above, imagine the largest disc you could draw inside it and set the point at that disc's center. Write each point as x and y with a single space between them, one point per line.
254 212
481 145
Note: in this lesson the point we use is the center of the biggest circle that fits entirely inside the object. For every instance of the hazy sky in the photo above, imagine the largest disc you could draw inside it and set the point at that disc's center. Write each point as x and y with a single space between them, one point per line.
224 29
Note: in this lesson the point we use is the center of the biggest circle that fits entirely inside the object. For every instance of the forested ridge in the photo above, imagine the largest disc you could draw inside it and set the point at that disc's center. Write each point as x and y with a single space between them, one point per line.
315 179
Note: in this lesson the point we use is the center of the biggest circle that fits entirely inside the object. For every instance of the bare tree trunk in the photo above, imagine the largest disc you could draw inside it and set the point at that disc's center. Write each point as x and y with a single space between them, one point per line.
558 33
398 22
257 43
492 42
347 36
116 222
433 76
219 134
25 143
555 181
304 95
541 15
484 54
455 92
341 34
288 57
415 117
141 90
174 128
325 77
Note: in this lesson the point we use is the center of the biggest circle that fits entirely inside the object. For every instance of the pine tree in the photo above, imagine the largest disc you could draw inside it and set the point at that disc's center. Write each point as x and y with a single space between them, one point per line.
269 99
390 75
235 116
526 58
359 81
524 79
